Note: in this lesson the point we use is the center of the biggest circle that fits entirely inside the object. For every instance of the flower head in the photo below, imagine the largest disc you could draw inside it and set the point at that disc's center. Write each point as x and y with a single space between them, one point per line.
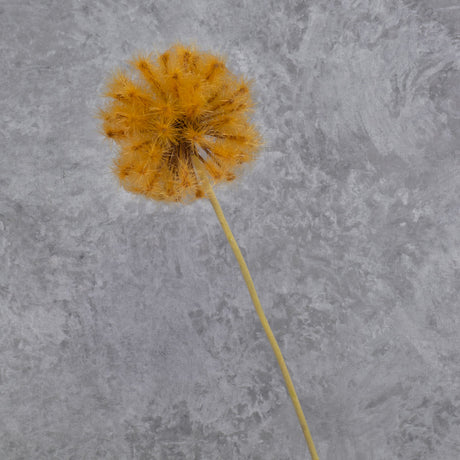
172 110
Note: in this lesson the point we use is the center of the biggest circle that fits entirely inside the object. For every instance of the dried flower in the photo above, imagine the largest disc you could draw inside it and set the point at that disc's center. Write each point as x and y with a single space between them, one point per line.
166 110
181 121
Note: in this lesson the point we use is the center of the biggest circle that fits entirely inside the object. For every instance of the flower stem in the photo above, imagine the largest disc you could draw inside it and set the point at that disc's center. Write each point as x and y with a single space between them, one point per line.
260 312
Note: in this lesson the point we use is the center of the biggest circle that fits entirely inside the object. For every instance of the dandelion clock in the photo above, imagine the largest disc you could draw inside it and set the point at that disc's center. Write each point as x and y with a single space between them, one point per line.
181 124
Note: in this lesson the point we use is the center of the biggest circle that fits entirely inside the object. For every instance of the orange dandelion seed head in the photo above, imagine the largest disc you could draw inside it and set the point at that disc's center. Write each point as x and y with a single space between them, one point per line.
172 111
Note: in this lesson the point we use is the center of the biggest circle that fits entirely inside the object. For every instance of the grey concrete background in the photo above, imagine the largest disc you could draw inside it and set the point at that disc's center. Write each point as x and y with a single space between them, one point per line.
126 331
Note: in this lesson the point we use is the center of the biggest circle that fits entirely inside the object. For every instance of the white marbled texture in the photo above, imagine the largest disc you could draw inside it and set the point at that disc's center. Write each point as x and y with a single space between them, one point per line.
126 330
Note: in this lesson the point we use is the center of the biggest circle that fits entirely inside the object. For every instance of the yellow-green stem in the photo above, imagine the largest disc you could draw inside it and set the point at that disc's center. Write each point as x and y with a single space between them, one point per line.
260 312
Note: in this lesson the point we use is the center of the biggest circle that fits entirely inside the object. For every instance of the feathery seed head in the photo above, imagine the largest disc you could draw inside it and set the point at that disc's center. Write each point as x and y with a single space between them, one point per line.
171 110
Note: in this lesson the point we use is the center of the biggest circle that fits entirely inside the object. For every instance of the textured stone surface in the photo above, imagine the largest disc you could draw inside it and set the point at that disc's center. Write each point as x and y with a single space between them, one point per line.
126 331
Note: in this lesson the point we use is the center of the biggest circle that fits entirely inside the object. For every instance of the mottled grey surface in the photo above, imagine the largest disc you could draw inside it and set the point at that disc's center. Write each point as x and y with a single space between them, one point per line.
126 331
